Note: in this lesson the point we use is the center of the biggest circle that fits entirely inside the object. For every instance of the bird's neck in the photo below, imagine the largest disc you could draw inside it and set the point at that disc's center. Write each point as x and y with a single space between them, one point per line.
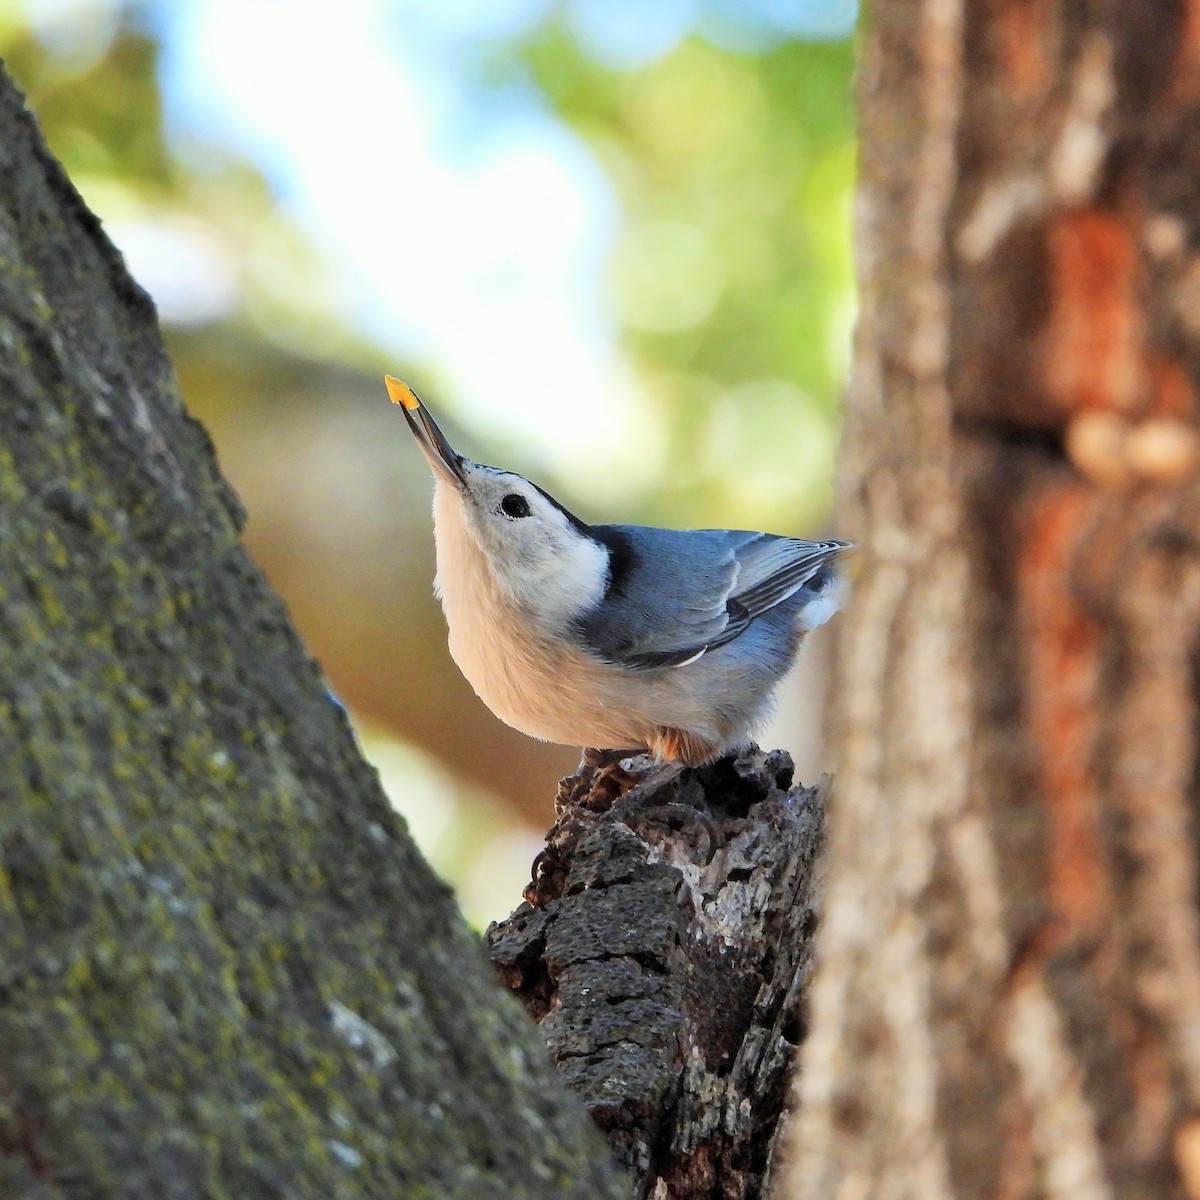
555 589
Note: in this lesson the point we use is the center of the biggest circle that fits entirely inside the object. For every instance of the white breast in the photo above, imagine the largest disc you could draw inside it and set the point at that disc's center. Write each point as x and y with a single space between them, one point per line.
564 583
530 679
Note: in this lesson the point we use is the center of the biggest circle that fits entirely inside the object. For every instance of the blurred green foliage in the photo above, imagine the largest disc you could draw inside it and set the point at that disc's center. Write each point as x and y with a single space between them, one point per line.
98 101
732 275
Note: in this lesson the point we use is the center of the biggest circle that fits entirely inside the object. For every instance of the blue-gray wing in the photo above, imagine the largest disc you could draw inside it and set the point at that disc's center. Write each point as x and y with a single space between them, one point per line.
673 595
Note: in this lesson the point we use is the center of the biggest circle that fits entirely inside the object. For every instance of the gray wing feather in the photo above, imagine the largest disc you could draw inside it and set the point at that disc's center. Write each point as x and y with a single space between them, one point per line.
677 594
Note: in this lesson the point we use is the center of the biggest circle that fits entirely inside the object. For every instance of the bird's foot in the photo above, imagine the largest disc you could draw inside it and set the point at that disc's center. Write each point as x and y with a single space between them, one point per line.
648 781
607 778
598 781
650 803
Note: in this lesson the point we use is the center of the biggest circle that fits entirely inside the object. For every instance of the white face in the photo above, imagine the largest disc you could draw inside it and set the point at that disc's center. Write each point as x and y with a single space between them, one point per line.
543 560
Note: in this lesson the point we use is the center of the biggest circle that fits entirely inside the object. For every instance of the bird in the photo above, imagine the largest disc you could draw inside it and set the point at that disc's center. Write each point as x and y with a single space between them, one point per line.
665 641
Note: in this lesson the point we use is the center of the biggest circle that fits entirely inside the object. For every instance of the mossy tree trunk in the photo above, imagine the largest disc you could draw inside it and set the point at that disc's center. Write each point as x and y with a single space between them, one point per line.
224 970
1007 1002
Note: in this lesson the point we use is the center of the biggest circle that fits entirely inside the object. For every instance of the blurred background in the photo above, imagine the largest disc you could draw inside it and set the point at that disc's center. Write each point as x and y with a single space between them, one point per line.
607 240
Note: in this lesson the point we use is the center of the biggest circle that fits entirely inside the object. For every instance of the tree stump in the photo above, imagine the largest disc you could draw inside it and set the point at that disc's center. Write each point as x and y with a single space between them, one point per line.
664 950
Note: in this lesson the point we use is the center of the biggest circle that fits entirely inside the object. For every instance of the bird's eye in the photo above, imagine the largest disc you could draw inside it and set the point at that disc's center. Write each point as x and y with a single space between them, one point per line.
514 505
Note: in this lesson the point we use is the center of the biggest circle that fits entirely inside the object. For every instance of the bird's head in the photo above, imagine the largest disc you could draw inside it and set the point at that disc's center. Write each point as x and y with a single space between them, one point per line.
543 556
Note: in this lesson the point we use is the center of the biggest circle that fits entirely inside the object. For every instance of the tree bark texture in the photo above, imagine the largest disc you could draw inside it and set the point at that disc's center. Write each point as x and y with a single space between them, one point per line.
224 969
666 957
1008 1002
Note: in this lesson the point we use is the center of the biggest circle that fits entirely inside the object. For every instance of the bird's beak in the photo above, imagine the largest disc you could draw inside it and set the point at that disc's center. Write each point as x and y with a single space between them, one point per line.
441 455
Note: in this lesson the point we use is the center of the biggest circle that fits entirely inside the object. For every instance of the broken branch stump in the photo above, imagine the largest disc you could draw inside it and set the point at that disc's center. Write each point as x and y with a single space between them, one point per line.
664 950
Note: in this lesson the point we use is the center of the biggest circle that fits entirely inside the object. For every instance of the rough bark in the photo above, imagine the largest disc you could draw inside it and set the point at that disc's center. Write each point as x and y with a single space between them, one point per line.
224 969
666 956
1009 998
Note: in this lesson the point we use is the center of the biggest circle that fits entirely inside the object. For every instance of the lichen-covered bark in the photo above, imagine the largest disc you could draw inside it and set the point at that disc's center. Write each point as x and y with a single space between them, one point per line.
224 970
666 959
1009 998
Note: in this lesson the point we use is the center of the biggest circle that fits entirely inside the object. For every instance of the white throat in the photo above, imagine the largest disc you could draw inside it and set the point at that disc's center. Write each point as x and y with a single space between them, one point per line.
559 587
568 583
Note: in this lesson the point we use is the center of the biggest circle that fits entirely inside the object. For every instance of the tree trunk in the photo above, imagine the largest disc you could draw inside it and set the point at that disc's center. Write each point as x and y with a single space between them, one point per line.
224 970
1008 1003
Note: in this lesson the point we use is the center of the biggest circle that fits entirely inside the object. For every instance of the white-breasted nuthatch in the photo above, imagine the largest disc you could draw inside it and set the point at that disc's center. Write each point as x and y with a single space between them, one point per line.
614 636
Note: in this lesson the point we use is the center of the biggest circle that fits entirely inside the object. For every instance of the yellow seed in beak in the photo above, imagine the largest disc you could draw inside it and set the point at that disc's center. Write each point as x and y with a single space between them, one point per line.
400 393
